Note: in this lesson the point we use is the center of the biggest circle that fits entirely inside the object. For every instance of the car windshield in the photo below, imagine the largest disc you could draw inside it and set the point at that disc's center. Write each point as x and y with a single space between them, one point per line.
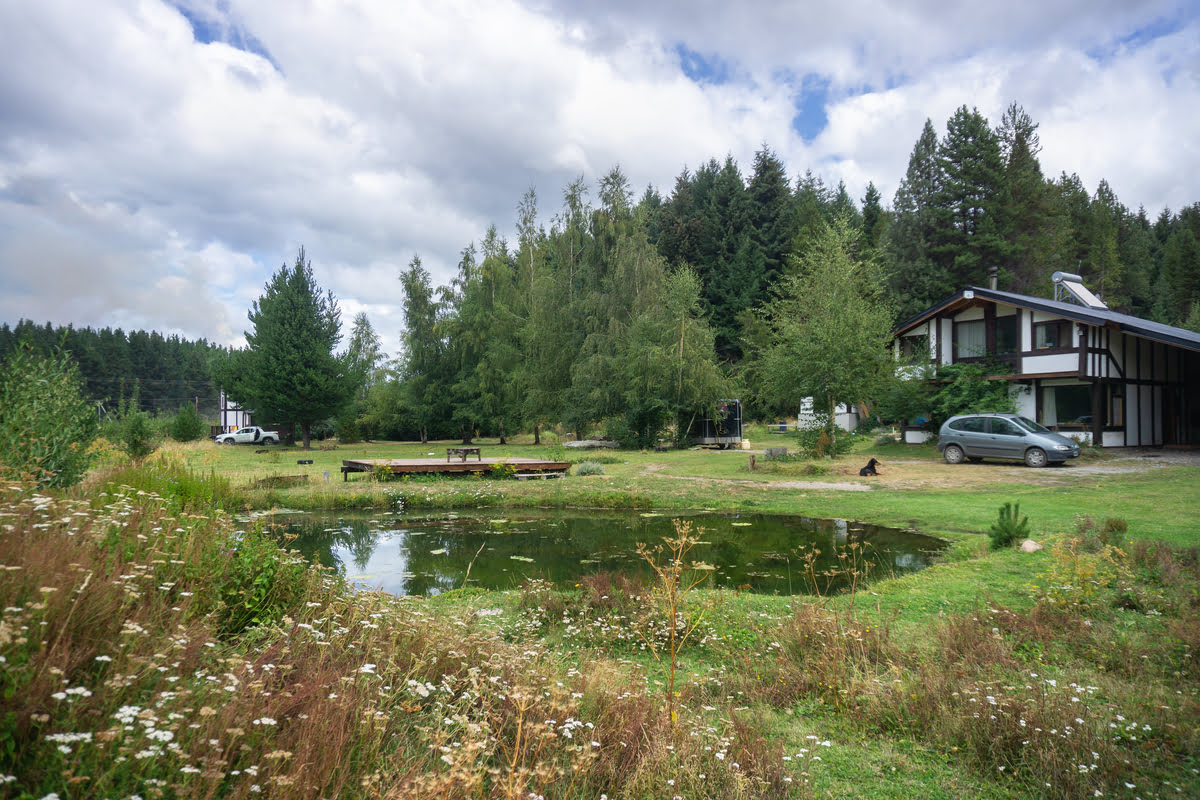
1030 425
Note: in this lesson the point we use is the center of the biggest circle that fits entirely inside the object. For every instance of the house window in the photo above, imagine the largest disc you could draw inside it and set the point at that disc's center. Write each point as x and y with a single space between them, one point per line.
1116 405
970 339
914 347
1067 406
1008 338
1052 335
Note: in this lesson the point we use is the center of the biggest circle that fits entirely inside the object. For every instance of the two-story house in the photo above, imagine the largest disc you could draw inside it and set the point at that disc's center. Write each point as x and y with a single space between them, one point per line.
1074 365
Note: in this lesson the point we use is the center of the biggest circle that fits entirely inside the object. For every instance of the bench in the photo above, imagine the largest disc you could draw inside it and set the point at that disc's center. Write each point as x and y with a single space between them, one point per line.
463 452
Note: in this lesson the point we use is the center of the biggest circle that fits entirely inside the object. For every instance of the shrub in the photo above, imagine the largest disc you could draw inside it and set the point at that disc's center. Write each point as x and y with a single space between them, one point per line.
589 468
46 425
187 426
814 441
137 436
1010 526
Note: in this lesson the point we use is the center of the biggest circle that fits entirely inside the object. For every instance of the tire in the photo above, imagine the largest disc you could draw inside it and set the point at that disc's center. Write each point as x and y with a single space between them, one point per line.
1035 457
953 454
229 441
268 440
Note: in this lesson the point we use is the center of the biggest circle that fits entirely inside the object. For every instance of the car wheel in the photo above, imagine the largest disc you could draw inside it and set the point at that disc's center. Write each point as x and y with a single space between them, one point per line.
228 441
1035 457
953 454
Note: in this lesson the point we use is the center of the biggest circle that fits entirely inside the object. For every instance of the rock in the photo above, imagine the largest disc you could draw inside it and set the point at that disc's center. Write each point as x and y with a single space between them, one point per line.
1030 546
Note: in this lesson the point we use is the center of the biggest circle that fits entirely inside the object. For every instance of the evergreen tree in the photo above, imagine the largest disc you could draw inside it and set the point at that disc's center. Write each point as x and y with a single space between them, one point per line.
289 373
967 235
874 218
1031 221
916 280
772 218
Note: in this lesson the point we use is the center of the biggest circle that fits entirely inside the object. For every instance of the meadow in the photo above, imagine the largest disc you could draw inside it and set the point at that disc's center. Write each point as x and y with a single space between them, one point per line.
156 642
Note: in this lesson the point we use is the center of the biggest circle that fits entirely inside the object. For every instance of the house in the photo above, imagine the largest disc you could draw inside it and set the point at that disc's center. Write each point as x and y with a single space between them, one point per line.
1074 365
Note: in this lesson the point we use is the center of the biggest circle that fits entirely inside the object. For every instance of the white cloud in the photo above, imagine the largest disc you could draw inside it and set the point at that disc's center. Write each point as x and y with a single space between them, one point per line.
151 180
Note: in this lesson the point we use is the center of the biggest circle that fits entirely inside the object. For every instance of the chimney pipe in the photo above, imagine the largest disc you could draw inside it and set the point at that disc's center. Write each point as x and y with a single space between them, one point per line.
993 271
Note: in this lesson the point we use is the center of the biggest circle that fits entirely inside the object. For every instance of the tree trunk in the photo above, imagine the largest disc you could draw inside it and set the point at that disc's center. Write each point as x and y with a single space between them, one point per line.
832 426
466 434
304 426
502 439
424 435
537 433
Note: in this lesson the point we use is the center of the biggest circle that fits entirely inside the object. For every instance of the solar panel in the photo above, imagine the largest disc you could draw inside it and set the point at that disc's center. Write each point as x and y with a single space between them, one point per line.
1082 294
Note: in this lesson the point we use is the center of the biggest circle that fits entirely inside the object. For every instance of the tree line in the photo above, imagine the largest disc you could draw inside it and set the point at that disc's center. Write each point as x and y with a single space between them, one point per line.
636 317
139 370
641 315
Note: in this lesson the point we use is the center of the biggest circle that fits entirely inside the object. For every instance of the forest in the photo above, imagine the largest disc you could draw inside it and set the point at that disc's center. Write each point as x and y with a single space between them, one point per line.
633 315
140 370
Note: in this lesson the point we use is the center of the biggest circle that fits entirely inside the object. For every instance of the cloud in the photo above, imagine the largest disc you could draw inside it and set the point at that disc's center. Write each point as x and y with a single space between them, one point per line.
159 160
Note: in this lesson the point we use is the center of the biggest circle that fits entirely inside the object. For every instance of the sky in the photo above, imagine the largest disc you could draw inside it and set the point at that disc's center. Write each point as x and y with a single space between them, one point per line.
160 159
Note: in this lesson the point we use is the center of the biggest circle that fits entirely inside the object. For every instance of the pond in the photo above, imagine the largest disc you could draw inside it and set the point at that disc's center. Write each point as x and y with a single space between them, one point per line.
415 554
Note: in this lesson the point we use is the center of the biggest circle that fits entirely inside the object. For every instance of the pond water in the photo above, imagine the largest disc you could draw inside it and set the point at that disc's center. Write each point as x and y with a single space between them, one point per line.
407 553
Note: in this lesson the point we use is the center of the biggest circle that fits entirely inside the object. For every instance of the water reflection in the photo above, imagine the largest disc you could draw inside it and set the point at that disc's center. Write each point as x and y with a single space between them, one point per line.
412 554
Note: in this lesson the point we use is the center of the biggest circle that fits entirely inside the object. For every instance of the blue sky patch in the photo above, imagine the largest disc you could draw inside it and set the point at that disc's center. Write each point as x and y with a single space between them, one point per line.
701 68
1136 39
207 30
810 117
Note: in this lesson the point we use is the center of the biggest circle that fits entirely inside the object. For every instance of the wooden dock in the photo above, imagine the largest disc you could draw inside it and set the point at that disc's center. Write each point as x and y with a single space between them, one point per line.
525 467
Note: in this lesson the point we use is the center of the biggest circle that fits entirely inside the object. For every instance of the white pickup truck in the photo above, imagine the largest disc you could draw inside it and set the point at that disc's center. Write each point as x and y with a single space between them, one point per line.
251 434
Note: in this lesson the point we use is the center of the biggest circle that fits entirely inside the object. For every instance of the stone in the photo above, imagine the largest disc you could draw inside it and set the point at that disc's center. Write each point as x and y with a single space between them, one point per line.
1030 546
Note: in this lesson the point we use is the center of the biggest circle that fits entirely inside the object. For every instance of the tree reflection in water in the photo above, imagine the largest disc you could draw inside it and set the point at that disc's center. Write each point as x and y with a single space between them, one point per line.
422 554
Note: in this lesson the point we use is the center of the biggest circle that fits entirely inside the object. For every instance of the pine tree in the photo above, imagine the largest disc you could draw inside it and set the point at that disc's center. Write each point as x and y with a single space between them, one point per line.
916 280
967 236
1032 224
289 372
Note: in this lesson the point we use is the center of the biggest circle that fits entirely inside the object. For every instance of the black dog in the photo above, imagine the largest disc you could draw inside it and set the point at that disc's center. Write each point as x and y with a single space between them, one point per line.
869 469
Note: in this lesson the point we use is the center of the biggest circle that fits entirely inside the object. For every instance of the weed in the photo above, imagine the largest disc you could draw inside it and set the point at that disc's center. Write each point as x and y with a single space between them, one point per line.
589 468
675 580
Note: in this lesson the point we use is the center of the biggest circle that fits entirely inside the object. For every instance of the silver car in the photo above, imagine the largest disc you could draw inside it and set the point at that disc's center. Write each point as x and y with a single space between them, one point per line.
975 437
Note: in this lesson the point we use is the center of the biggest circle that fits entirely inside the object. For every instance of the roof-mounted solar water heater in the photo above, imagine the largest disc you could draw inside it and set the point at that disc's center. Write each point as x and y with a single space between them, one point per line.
1070 287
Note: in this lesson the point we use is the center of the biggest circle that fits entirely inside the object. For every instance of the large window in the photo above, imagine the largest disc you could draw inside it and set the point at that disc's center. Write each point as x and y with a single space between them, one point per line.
1067 406
970 339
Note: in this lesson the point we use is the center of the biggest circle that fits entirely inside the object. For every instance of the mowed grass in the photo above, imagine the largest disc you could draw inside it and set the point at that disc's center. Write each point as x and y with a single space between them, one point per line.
915 489
153 646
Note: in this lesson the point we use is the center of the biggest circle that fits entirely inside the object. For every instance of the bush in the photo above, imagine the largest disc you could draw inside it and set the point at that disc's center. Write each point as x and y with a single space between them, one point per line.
814 441
46 425
137 435
187 426
1010 526
589 468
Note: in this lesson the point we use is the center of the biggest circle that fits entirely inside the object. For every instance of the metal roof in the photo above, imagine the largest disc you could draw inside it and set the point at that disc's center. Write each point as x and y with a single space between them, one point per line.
1100 317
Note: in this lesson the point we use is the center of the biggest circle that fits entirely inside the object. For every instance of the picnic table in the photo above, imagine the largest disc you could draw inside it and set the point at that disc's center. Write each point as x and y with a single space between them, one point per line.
463 452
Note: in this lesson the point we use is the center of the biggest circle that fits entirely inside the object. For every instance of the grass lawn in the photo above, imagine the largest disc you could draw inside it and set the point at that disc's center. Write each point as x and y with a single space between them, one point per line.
1066 673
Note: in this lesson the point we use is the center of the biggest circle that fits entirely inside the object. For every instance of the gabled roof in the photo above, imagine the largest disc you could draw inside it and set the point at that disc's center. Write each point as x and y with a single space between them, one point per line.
1100 317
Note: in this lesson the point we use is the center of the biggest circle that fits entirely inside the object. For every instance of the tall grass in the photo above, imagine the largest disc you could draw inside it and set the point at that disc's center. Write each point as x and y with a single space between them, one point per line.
149 649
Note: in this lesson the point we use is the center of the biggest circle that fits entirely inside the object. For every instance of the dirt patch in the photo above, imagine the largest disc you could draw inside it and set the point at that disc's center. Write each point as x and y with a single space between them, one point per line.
827 486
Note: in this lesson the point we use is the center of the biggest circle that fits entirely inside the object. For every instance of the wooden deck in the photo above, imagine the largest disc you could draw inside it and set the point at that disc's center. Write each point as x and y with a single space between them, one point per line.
411 466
